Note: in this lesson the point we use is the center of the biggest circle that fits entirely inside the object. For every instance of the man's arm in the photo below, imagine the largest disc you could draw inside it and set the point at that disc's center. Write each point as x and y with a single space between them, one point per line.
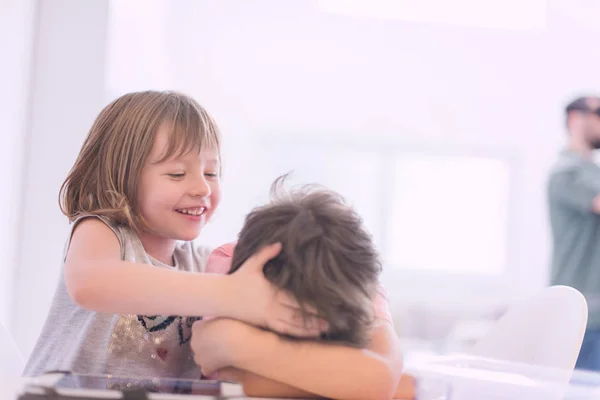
576 188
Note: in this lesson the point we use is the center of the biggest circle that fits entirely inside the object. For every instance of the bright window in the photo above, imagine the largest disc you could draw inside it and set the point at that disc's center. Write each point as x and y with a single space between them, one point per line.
449 213
427 212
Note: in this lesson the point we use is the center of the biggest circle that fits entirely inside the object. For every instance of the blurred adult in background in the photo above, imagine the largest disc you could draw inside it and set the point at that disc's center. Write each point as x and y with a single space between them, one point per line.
574 204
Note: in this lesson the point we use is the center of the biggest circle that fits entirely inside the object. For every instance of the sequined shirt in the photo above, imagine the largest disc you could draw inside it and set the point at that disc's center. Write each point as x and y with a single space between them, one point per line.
79 340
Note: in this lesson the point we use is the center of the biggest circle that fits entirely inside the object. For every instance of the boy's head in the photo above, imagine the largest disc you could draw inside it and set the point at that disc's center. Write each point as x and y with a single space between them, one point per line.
142 147
327 260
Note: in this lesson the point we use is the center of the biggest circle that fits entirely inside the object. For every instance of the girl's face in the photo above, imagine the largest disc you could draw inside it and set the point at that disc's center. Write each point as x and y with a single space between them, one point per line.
177 196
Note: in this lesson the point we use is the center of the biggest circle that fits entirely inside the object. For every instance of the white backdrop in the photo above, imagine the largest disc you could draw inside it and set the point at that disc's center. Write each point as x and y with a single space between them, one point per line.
285 72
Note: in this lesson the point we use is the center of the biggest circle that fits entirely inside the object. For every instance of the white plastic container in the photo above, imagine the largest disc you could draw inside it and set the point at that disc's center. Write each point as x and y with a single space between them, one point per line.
463 377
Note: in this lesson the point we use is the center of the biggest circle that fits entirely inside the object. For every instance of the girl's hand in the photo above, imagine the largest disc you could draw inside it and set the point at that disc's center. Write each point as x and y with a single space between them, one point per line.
259 302
216 342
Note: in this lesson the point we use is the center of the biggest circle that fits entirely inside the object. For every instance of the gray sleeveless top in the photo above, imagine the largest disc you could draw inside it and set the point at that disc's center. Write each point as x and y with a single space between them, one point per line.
83 341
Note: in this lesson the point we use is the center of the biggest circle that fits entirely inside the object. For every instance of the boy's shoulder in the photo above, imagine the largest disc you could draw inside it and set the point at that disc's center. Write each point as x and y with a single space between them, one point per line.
225 250
219 260
191 256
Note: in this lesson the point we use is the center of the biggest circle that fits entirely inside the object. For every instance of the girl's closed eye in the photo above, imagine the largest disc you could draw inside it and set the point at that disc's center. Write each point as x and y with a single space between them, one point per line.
177 175
211 174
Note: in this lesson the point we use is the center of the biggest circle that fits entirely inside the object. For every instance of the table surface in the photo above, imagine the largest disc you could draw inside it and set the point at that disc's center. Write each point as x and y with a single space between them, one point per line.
10 387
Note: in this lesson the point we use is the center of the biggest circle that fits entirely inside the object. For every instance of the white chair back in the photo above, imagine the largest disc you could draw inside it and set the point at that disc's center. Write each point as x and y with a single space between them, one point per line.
545 330
536 340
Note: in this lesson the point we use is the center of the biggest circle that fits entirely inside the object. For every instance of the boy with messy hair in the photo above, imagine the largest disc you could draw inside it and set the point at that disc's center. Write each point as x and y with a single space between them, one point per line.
329 263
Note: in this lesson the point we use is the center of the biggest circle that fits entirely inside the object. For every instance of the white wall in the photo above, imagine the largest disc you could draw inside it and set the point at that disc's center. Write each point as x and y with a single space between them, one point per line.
17 25
272 68
285 68
68 91
272 71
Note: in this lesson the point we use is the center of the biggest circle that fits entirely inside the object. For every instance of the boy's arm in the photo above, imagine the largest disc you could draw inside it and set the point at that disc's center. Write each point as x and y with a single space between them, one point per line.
259 386
378 383
324 369
406 389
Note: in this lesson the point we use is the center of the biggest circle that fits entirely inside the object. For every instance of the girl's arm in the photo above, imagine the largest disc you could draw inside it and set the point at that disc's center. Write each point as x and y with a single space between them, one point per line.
98 280
327 370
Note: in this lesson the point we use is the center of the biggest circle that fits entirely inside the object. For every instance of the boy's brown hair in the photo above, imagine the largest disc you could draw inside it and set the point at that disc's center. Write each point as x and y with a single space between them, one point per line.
328 259
104 178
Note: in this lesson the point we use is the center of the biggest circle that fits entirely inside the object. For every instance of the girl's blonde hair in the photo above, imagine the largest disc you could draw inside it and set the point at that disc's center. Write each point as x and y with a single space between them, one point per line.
104 178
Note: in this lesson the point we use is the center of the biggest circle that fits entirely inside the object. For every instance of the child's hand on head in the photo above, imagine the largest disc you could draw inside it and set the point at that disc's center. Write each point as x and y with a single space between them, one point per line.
261 303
